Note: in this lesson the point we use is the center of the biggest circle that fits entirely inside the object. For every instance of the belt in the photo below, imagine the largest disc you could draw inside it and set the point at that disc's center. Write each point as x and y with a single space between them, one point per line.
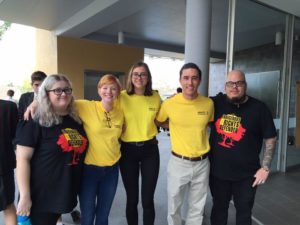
142 143
193 159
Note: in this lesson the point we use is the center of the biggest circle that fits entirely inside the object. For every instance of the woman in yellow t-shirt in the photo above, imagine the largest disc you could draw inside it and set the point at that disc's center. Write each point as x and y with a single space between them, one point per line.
139 146
103 124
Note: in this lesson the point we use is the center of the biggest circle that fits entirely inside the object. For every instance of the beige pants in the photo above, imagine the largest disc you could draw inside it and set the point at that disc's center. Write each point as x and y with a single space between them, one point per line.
185 175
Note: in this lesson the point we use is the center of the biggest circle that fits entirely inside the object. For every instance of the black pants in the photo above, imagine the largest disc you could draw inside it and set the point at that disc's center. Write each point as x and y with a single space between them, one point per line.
241 192
7 190
136 160
43 218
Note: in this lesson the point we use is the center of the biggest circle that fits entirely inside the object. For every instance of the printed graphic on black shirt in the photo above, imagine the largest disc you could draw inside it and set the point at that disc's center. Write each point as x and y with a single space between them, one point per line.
71 140
230 128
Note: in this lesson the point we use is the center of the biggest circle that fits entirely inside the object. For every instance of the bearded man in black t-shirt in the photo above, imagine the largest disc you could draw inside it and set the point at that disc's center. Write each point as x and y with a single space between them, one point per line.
242 123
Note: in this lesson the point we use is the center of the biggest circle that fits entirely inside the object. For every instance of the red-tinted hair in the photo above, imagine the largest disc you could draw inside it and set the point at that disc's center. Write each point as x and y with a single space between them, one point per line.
110 79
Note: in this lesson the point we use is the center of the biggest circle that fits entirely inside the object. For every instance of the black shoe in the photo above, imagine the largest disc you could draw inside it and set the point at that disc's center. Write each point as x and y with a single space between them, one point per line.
75 216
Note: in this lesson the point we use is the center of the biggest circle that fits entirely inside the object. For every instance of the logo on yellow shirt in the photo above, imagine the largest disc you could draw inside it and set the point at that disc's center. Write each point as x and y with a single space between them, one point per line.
202 113
153 109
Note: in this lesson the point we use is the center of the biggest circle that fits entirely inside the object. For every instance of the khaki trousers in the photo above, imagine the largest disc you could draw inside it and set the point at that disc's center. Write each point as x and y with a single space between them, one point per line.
183 176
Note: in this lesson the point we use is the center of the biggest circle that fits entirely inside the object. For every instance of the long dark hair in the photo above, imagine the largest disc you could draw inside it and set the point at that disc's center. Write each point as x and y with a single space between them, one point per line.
130 86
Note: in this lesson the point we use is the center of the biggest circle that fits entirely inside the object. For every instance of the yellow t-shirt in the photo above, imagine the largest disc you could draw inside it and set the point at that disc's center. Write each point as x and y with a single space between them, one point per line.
103 132
188 120
139 112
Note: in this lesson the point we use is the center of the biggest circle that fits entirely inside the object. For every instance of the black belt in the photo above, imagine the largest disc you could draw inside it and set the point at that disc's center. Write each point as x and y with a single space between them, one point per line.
142 143
193 159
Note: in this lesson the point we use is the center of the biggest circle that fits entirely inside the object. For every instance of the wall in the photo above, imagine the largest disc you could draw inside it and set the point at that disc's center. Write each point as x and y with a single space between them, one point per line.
75 56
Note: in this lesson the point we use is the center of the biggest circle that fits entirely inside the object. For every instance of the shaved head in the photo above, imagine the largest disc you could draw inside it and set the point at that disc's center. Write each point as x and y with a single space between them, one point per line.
236 86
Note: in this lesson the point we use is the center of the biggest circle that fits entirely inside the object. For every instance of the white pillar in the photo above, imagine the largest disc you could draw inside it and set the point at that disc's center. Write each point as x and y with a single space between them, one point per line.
197 37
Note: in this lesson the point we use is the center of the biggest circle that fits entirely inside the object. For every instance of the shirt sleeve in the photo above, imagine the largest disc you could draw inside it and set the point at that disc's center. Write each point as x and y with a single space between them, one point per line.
28 133
162 114
81 106
212 111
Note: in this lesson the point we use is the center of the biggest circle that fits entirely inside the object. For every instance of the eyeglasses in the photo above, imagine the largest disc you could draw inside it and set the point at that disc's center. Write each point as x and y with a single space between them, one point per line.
141 75
239 83
59 91
108 119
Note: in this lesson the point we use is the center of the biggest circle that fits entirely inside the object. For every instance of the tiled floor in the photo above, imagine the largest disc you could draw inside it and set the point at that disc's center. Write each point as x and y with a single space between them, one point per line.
278 201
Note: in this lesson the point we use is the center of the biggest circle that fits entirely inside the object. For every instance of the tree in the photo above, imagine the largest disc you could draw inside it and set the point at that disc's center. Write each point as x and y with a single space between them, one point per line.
3 28
26 86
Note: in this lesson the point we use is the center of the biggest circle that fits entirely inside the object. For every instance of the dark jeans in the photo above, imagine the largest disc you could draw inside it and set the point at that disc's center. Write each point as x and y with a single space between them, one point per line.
243 195
136 160
97 192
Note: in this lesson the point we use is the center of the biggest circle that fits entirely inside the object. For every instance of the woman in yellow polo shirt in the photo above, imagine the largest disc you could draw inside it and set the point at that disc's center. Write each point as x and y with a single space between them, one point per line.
139 148
103 124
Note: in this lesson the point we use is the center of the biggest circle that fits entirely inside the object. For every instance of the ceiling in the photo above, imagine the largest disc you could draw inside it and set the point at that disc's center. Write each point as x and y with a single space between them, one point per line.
155 24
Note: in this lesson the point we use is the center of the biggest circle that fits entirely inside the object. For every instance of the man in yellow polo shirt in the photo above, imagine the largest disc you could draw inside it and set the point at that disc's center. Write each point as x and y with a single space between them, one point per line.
189 114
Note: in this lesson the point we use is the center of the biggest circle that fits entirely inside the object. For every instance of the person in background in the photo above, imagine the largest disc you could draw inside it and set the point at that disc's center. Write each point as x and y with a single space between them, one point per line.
179 90
188 115
241 125
50 153
139 147
8 124
10 96
103 123
37 78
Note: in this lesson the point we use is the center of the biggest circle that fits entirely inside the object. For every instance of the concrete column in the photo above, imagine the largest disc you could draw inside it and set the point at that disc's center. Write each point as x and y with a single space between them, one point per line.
197 37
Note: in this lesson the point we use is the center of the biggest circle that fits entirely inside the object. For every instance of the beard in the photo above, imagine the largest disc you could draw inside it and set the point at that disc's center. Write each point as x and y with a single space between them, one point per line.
237 100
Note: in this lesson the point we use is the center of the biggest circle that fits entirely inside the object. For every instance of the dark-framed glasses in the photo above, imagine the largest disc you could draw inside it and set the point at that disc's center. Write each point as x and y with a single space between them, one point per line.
108 119
141 75
239 83
59 91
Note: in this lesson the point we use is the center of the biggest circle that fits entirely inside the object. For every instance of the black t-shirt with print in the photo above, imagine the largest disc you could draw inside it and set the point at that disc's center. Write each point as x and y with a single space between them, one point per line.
56 163
237 136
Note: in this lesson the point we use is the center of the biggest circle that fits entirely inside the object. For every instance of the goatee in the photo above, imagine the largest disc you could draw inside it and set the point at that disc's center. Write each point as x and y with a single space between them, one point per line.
237 100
